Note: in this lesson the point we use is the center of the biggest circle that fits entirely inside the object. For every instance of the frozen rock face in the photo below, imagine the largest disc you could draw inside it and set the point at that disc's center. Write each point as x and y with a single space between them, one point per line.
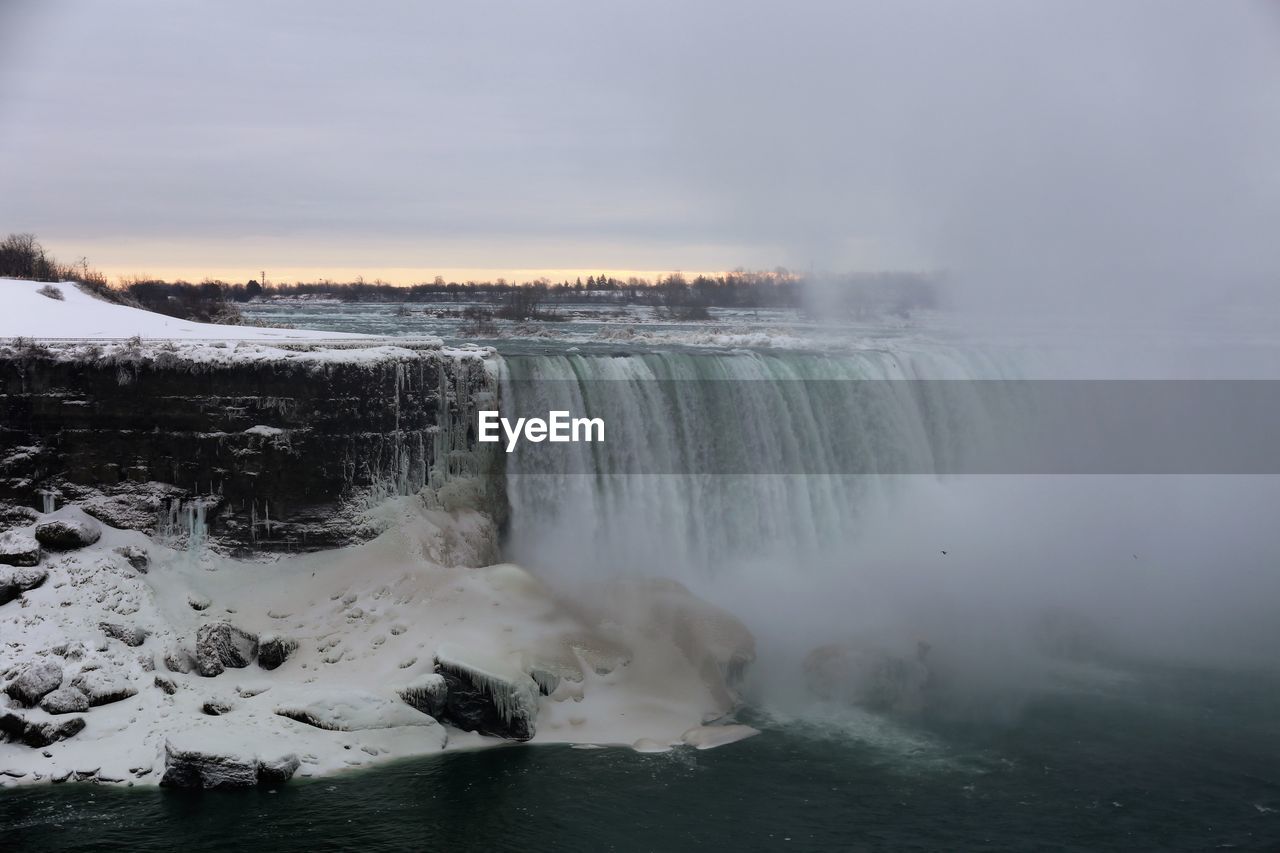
274 650
34 682
68 534
36 734
195 761
220 645
294 441
868 676
487 696
65 700
19 549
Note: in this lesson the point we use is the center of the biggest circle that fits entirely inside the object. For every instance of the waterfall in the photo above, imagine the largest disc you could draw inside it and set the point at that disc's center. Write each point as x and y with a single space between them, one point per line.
711 459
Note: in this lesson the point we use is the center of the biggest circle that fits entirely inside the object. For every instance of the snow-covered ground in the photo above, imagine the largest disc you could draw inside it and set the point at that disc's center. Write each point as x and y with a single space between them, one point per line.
369 621
80 325
26 312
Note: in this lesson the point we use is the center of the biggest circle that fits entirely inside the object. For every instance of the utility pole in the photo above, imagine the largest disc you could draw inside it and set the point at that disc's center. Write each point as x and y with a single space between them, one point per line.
263 280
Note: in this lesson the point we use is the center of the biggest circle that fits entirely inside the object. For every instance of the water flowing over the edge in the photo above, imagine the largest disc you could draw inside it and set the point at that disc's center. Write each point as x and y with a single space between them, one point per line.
786 412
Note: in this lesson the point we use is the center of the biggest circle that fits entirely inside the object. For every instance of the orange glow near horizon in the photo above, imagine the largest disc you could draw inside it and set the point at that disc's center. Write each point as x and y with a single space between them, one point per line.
399 276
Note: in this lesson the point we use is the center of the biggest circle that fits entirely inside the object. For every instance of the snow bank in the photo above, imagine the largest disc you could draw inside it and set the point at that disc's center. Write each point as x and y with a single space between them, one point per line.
24 312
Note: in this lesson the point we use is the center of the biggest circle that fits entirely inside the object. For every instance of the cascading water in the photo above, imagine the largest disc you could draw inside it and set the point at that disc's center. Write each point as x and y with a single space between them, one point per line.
823 499
713 459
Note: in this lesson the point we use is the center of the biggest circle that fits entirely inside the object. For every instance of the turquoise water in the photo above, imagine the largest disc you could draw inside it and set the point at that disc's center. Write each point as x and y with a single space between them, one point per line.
1167 760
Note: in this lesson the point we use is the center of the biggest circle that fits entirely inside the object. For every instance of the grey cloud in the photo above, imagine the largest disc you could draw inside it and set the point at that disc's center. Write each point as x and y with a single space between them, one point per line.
1050 148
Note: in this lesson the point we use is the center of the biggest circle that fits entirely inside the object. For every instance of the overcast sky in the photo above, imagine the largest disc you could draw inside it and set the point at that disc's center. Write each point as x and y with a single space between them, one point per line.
1047 146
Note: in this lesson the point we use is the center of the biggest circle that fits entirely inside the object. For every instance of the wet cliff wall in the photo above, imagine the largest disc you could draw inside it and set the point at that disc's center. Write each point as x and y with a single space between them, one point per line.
259 448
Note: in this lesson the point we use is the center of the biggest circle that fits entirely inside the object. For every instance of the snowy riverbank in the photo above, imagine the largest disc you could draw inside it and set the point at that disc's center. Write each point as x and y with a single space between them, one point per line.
365 629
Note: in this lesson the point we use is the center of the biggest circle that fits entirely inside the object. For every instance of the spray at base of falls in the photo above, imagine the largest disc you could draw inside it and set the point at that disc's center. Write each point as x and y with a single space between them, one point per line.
777 549
998 574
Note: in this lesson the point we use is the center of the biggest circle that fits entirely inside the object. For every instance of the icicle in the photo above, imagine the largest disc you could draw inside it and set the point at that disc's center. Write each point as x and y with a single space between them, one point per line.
512 692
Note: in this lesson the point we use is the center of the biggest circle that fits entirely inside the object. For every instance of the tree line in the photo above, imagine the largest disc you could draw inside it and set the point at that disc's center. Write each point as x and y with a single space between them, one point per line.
682 297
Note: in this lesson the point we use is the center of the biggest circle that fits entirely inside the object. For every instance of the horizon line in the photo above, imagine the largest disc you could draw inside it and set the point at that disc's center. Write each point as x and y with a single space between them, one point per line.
409 276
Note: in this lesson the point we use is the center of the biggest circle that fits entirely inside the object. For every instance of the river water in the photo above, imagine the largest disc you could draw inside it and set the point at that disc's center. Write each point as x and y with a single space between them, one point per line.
1155 760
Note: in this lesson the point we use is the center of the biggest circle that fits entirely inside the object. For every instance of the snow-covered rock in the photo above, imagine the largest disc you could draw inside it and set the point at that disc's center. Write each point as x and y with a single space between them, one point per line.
487 695
179 659
8 589
205 759
65 700
274 650
427 693
68 534
130 635
135 556
104 686
38 733
34 682
278 770
220 645
29 578
348 710
15 581
18 549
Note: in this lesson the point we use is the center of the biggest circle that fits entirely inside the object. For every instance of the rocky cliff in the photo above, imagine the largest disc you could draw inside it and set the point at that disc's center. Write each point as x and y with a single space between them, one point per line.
256 447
